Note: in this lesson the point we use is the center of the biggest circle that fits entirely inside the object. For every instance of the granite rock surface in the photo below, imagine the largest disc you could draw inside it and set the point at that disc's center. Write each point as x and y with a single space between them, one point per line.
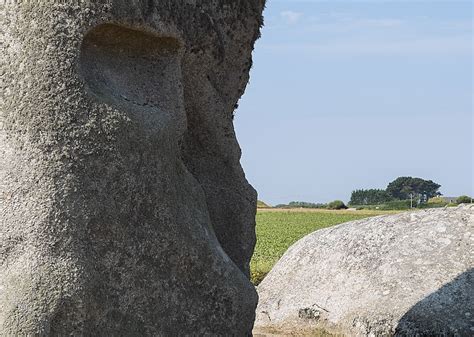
124 209
409 274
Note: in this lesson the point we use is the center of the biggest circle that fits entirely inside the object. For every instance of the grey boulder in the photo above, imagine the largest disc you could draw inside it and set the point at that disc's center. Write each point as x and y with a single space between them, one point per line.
408 274
124 210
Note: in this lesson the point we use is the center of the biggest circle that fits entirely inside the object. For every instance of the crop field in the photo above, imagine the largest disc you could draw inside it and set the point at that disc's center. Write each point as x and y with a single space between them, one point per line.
278 229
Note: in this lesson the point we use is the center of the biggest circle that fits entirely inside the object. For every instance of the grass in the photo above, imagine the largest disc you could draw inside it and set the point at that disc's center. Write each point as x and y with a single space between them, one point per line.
277 230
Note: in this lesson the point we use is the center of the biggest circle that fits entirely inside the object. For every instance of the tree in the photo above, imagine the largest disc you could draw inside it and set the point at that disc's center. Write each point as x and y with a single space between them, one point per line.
404 188
369 197
337 204
464 199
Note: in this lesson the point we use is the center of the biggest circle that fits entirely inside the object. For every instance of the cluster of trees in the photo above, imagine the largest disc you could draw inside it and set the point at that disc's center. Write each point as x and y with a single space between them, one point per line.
402 188
407 187
301 204
402 193
336 204
464 199
369 197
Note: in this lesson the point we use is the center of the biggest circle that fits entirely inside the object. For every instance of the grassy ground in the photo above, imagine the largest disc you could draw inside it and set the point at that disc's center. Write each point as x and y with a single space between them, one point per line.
277 230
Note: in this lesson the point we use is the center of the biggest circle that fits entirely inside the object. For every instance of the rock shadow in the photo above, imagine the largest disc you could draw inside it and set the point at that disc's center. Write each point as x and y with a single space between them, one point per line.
136 72
446 312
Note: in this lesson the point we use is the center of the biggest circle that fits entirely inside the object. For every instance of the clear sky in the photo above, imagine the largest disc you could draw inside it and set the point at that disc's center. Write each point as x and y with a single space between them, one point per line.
351 94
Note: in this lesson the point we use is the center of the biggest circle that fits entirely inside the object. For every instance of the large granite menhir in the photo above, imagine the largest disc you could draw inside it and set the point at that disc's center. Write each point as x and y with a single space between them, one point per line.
124 209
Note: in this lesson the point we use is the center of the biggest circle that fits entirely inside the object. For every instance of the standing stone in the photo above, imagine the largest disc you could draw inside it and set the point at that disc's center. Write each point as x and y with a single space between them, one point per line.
124 209
409 274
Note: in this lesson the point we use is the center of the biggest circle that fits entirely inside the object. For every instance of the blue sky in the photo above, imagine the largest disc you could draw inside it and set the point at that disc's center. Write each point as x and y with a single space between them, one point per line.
351 94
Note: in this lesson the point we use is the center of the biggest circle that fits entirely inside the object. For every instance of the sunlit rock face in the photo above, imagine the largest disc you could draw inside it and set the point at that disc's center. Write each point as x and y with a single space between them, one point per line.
124 209
408 274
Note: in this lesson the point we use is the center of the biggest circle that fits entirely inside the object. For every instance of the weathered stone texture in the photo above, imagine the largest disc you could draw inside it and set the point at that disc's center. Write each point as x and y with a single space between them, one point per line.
124 209
409 274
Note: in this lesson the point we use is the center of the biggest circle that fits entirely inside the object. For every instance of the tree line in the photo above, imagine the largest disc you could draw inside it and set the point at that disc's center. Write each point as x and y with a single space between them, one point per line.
402 188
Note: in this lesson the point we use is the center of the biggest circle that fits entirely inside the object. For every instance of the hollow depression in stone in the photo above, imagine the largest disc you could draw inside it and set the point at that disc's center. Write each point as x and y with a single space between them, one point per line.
133 71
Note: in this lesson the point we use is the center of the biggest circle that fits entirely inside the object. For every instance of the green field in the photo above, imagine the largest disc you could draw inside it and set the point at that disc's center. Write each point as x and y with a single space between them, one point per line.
277 230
